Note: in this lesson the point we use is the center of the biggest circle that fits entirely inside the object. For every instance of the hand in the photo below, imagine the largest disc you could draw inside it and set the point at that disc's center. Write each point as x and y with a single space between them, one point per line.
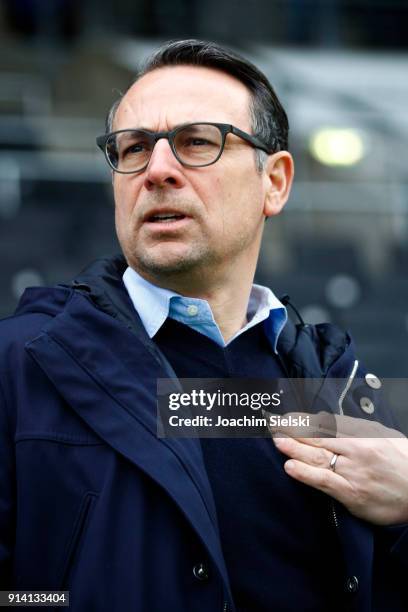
370 476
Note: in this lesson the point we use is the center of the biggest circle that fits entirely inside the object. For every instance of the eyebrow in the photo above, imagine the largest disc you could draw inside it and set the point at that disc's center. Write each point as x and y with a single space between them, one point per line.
146 129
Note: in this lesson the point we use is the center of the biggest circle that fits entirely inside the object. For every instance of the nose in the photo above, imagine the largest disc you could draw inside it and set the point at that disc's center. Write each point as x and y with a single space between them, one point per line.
164 170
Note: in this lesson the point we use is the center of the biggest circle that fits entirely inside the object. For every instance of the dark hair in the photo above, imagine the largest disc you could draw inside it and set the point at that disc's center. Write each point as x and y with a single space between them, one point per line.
269 119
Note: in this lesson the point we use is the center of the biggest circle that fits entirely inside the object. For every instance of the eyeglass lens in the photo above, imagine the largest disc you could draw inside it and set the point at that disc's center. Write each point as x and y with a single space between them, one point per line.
196 145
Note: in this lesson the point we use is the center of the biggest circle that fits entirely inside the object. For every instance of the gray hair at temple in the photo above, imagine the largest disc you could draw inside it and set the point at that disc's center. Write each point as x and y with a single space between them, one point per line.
268 117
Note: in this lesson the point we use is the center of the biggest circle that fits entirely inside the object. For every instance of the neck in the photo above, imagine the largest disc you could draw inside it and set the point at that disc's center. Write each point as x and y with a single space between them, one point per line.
229 306
227 294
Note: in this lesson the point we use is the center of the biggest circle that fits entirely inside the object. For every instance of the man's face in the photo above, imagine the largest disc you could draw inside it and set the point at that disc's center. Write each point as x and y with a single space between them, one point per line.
221 205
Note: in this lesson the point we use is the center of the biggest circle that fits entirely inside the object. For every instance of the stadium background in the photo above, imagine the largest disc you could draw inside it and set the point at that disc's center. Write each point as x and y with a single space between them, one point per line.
340 249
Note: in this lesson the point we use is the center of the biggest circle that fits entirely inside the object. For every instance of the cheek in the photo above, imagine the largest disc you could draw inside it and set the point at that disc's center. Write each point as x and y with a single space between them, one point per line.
119 192
123 209
243 196
125 197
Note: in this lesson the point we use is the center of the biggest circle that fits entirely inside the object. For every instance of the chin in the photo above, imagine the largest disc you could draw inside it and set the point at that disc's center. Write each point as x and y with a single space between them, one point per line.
168 258
168 268
166 263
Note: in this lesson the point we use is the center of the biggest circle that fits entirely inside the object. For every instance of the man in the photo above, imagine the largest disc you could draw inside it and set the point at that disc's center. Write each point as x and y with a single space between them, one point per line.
91 500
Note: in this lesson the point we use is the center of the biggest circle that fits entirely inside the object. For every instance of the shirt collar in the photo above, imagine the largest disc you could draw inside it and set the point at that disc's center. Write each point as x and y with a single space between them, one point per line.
154 304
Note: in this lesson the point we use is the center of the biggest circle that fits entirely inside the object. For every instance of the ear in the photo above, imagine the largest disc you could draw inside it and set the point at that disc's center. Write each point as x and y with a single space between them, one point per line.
278 174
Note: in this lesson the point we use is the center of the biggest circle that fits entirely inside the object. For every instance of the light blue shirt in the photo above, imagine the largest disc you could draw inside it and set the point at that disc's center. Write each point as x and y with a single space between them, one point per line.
154 304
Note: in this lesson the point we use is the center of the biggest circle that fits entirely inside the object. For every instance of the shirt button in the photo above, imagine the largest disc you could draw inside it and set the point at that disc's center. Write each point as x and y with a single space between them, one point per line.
352 584
367 405
373 381
200 571
192 310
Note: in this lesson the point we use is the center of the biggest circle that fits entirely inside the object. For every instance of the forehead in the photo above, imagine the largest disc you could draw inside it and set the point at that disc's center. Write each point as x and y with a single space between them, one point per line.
172 95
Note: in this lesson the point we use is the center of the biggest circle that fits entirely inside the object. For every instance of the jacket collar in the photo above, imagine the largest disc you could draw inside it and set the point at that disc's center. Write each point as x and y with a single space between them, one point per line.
309 351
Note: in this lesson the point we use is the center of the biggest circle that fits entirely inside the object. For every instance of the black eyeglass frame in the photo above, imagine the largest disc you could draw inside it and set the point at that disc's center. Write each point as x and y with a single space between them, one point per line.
224 128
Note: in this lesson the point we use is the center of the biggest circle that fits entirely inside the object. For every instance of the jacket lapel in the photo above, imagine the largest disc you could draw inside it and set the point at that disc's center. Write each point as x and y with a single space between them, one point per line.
108 376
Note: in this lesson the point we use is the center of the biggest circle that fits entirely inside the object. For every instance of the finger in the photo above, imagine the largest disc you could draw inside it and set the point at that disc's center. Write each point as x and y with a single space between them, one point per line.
322 424
318 457
354 427
325 424
311 434
342 443
324 480
302 424
341 446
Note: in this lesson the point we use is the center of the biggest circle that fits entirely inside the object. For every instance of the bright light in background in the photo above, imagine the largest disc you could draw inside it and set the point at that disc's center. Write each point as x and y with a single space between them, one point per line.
337 146
27 277
343 291
313 314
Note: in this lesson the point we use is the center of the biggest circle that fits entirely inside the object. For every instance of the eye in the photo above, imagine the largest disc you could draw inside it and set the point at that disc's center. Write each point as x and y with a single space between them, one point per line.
135 148
196 142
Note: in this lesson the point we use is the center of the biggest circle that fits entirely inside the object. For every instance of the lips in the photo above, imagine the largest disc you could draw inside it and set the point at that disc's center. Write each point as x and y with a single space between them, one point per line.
163 216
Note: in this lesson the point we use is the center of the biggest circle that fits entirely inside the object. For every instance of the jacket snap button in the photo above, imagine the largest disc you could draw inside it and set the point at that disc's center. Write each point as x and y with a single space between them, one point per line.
373 381
367 405
200 571
352 584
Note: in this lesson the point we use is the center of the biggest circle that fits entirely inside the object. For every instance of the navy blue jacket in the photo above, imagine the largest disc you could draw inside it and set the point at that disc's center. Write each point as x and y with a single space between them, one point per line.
91 501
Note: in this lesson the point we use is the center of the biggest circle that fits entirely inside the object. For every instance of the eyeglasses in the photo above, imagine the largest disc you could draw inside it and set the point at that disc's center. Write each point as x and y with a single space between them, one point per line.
194 145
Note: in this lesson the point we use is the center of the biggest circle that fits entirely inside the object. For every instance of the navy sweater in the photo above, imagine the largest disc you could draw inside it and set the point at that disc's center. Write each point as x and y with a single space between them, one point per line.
279 544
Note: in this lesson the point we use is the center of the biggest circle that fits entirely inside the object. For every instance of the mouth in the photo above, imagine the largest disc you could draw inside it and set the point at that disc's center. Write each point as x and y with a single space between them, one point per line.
165 218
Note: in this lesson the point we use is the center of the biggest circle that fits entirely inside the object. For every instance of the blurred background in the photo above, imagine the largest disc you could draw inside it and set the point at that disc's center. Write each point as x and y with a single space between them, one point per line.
340 67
